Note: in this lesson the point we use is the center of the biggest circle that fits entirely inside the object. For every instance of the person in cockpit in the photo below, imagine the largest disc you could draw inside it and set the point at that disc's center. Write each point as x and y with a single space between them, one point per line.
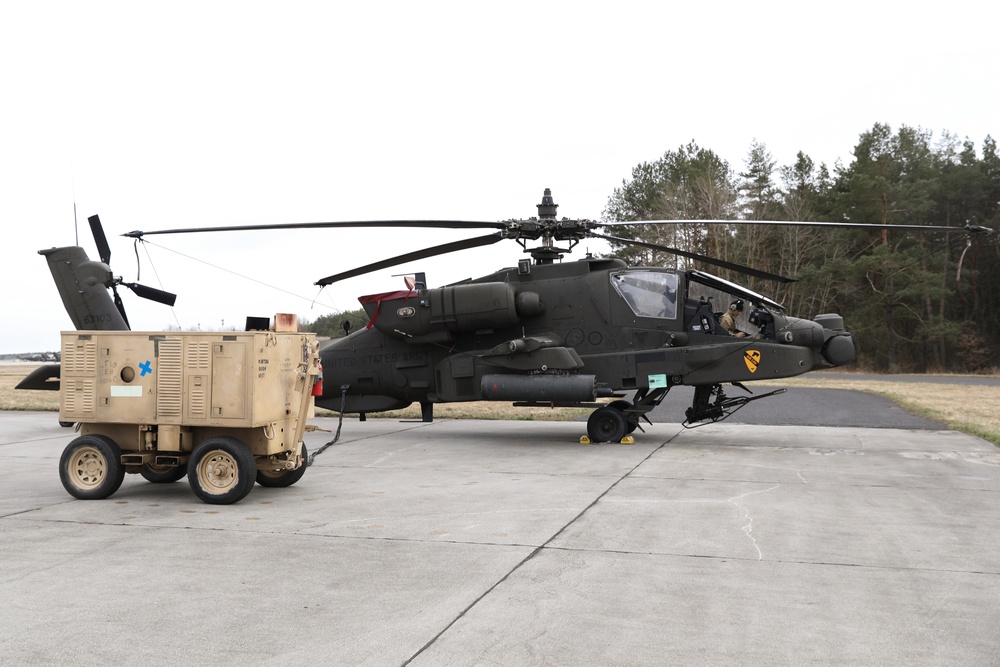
728 318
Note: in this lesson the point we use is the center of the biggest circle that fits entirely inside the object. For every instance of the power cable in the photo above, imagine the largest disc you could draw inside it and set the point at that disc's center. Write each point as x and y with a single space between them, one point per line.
312 301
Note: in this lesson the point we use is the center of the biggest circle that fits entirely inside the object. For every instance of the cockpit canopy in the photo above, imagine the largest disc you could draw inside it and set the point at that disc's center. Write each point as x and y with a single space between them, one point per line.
648 293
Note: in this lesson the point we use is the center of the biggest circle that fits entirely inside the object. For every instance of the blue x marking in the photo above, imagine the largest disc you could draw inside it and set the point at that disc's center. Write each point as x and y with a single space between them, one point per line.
145 367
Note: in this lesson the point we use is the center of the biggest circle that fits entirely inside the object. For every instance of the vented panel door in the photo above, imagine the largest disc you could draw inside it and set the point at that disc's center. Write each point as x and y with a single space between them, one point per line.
229 381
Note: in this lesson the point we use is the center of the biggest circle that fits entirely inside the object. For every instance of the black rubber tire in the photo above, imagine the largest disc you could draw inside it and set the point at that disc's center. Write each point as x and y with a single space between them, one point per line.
90 467
221 471
624 405
67 424
163 474
606 424
282 478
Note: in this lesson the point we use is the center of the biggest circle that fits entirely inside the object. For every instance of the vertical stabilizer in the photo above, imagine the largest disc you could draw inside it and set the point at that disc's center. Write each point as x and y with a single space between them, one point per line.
83 286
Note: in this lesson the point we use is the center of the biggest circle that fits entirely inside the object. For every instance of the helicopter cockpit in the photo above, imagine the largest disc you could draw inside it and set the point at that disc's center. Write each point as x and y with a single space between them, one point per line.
709 296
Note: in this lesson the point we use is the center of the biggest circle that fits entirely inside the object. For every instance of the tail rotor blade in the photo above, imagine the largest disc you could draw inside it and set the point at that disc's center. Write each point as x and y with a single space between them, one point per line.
152 293
119 305
103 249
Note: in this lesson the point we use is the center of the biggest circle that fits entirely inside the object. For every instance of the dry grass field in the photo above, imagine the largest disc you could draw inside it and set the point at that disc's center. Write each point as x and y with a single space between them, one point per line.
971 409
14 399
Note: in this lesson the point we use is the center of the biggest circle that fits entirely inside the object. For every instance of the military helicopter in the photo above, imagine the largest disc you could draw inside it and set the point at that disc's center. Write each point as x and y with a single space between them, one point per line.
591 333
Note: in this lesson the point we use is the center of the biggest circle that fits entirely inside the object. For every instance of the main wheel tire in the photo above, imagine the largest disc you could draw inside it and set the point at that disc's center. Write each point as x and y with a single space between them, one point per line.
91 467
221 471
623 405
606 424
162 474
278 478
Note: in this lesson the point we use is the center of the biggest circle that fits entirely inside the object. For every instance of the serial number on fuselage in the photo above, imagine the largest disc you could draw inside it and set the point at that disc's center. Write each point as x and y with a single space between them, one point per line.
100 318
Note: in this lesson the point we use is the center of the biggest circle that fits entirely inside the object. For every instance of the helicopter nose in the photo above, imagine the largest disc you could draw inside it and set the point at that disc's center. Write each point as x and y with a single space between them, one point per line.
840 349
827 333
802 332
840 346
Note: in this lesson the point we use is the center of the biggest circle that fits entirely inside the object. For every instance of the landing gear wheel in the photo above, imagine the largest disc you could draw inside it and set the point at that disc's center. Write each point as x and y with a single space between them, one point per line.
623 405
606 424
91 467
280 478
162 474
221 471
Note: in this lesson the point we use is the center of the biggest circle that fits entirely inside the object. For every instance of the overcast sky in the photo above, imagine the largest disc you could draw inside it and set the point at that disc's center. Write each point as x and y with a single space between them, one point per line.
162 115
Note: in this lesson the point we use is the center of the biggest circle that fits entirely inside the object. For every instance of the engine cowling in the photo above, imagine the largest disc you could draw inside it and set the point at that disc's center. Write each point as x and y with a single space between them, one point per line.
455 309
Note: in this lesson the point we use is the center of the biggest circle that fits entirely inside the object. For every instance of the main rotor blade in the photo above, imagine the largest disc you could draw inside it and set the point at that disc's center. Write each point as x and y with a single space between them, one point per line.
746 270
437 224
412 256
103 249
969 229
152 293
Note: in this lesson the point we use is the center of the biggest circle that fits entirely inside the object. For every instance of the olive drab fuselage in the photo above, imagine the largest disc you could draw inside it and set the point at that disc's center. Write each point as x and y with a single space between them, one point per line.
567 334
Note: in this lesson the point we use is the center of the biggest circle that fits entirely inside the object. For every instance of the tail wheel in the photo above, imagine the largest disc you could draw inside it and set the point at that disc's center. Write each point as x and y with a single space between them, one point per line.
606 424
221 470
281 477
91 467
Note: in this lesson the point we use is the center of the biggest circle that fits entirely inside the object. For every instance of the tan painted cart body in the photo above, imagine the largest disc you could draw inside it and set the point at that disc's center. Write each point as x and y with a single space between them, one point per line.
225 408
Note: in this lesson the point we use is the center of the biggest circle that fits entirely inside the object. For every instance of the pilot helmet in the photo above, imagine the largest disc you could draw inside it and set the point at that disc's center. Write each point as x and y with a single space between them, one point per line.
738 305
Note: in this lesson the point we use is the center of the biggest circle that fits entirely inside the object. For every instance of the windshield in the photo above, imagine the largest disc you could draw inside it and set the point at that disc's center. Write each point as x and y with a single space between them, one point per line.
648 293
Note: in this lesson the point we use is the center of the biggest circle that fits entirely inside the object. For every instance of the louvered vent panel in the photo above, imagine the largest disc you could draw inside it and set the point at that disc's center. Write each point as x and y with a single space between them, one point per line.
199 355
197 403
86 397
80 359
78 398
169 379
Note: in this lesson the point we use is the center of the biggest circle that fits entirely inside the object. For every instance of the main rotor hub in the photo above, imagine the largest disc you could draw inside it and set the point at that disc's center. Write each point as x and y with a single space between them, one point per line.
546 230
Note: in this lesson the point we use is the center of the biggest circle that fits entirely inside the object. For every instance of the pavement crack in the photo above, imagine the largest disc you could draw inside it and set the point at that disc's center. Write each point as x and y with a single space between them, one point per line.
748 528
389 455
537 550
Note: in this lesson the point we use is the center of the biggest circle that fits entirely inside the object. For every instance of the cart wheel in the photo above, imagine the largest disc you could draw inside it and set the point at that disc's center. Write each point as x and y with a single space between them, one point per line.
221 470
91 467
606 425
162 474
283 477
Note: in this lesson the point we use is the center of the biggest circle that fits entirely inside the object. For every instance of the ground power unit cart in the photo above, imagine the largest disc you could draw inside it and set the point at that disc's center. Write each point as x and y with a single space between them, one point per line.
224 408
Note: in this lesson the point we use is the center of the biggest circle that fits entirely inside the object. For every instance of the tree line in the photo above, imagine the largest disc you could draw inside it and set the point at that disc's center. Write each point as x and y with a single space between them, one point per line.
918 301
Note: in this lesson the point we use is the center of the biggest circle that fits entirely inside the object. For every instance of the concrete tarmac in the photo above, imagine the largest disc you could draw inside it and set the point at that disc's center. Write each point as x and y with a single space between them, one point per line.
509 543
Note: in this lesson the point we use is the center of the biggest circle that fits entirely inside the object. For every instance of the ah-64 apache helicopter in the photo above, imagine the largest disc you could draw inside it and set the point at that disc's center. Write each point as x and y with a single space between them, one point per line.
542 333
